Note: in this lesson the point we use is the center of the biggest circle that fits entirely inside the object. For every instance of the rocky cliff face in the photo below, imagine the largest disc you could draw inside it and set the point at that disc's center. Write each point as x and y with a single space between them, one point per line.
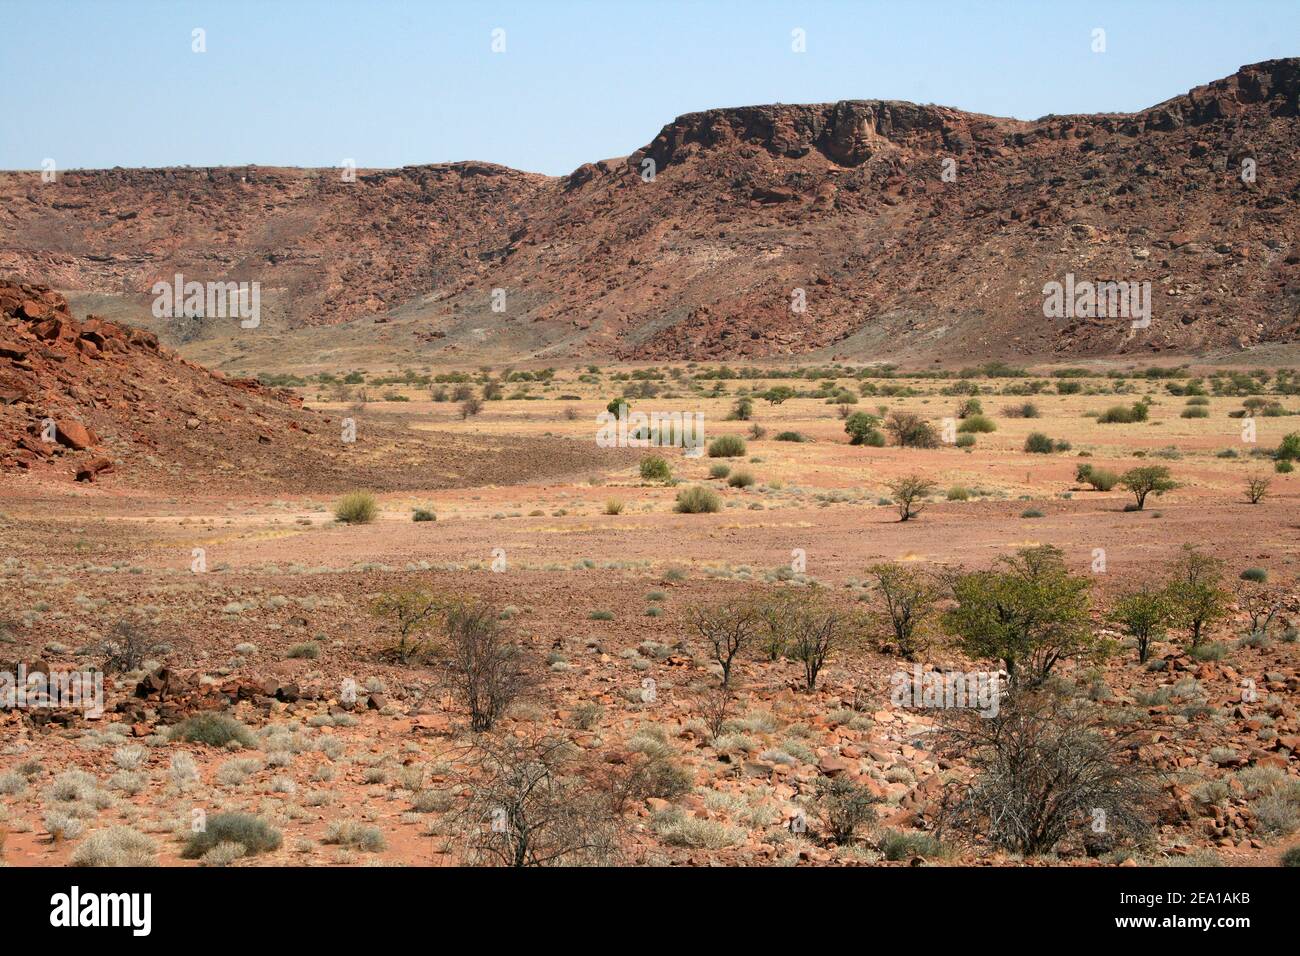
906 232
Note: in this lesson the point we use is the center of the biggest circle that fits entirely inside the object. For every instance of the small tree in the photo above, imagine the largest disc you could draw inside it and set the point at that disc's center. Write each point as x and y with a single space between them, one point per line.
814 633
486 667
776 616
413 613
910 430
1195 592
742 410
1143 615
1261 604
908 596
1147 480
125 648
1031 613
470 407
908 494
726 628
1257 488
1046 766
530 804
715 707
863 428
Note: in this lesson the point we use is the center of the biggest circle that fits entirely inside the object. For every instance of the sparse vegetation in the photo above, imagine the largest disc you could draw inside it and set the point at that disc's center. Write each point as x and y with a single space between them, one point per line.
1147 480
697 499
359 507
910 493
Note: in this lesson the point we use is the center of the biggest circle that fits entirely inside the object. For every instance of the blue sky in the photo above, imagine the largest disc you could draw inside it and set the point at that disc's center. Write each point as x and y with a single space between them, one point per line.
98 83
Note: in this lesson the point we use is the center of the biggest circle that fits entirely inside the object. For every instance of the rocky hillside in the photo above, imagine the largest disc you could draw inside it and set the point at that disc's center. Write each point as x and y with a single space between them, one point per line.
912 231
95 401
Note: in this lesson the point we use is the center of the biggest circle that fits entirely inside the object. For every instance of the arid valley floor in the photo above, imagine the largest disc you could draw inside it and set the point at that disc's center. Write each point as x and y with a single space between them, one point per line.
592 571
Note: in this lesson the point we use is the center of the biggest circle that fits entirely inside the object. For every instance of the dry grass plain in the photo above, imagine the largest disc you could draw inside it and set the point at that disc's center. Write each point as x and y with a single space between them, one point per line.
599 602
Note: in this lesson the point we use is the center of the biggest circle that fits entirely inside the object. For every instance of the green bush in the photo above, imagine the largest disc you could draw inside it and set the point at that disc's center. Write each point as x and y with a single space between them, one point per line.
977 424
1291 857
213 729
958 493
1195 411
792 436
423 514
964 441
1124 414
253 833
719 470
1289 449
1101 479
359 507
740 479
727 446
1039 444
896 845
1213 651
697 499
1258 575
308 651
862 429
742 411
655 468
1031 513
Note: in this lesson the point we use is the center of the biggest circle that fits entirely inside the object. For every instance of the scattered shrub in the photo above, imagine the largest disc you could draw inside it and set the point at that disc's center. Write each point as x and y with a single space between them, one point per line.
251 832
977 424
1039 444
727 446
213 729
845 805
697 499
116 846
655 468
911 430
359 507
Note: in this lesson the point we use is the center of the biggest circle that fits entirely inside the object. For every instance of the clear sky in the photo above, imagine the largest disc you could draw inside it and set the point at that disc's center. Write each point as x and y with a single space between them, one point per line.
98 83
